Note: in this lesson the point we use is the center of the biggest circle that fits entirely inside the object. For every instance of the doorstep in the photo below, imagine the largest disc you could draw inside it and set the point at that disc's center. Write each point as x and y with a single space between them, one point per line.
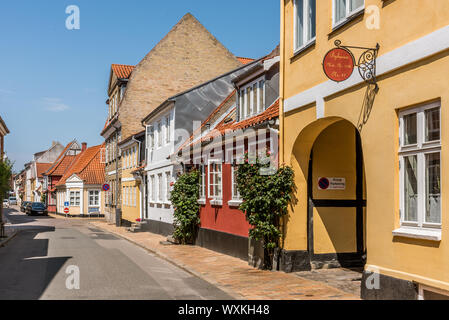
230 274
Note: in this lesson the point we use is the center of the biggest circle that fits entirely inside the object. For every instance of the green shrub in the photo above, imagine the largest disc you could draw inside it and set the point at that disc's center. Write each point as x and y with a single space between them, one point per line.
265 200
184 199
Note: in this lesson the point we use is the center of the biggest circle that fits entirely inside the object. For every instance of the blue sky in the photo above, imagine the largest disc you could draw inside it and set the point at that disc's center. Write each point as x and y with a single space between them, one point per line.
54 80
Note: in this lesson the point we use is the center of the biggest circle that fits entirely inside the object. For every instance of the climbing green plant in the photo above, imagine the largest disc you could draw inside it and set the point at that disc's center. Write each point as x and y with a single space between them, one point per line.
5 176
266 193
184 199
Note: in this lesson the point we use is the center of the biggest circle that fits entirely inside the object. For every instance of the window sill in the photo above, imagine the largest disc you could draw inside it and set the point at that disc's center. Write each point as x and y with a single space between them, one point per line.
425 234
348 19
202 201
216 202
300 50
235 203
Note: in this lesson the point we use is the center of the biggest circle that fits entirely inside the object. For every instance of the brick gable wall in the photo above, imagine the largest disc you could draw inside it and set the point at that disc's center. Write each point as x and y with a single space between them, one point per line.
188 56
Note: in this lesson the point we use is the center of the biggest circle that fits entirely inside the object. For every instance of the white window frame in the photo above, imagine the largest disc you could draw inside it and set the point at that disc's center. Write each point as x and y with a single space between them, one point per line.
254 103
77 198
152 188
94 192
167 186
168 129
215 199
235 201
160 188
349 13
420 149
159 134
150 137
307 42
202 195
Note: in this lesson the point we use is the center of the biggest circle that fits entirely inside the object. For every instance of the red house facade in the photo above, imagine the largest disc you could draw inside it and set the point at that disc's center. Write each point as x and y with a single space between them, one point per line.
57 170
247 120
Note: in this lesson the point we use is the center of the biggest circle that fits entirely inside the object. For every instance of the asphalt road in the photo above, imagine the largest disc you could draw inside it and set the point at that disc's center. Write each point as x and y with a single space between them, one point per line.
43 260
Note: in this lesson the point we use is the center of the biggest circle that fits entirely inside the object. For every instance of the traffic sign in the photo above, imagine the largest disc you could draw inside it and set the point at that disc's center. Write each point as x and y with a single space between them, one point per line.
66 210
66 204
324 183
106 187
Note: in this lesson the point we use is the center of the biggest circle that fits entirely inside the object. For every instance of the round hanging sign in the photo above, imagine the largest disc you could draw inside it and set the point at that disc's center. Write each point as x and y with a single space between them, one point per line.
106 187
338 64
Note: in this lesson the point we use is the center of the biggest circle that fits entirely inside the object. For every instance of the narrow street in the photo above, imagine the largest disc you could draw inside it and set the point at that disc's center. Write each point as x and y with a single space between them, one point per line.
35 262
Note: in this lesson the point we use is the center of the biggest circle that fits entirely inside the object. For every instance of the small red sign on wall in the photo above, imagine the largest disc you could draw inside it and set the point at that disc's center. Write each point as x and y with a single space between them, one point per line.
338 64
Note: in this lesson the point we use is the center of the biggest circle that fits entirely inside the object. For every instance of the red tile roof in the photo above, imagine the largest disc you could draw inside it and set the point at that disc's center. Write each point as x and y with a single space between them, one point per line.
122 71
41 168
59 167
87 166
245 60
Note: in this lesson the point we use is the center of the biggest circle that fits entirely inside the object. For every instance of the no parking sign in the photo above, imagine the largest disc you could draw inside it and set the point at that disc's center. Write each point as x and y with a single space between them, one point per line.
331 183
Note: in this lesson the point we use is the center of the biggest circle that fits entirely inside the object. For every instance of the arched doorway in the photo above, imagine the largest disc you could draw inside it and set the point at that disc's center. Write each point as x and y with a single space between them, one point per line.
329 155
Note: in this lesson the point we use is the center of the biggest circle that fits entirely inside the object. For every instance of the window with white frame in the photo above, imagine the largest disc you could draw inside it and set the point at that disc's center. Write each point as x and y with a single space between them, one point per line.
74 198
252 99
345 9
202 182
420 166
167 129
167 186
215 180
94 198
304 23
150 137
159 134
160 187
153 189
235 191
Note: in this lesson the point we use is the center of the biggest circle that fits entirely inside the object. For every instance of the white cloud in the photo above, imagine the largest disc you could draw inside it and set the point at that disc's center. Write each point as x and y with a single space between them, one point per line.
55 105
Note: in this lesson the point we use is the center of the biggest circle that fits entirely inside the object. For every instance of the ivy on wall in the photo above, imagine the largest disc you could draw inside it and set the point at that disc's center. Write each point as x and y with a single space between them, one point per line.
266 193
184 199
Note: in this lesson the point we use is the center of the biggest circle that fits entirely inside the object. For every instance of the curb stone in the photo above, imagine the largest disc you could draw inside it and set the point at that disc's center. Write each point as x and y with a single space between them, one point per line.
177 264
4 242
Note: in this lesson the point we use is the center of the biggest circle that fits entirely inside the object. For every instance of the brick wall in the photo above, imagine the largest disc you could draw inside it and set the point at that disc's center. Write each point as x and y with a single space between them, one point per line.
188 56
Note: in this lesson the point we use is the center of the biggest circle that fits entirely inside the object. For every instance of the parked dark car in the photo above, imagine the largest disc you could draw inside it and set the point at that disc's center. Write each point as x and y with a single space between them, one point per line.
37 208
23 205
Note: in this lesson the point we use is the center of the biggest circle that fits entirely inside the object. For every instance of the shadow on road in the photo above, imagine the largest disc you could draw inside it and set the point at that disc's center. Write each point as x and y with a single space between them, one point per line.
14 216
25 269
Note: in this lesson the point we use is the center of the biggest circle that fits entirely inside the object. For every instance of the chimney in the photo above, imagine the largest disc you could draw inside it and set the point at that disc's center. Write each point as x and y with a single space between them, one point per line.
83 146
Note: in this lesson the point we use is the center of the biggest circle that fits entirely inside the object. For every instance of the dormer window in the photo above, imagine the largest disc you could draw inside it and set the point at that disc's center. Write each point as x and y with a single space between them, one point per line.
252 99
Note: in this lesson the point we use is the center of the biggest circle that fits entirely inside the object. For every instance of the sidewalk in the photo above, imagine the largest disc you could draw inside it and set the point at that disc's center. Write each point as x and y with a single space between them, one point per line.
232 275
10 232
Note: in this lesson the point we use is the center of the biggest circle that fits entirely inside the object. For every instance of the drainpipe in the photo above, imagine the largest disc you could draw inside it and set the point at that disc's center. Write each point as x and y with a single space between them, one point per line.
281 106
118 212
142 180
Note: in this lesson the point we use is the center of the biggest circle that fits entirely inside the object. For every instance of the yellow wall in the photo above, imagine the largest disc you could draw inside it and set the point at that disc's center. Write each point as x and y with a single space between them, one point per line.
130 212
334 156
401 22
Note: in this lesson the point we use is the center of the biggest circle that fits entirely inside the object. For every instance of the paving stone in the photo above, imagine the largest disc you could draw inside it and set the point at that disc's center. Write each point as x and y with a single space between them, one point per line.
240 280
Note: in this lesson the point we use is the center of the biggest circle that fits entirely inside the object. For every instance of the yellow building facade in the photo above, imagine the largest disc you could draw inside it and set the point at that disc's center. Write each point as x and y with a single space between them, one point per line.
369 157
131 182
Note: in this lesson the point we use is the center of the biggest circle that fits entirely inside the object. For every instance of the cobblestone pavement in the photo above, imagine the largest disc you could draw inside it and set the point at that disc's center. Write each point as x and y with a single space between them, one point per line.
232 275
347 280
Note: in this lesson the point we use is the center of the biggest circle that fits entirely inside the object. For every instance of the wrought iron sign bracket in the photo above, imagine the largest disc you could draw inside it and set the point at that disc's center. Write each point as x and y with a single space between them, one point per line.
366 63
